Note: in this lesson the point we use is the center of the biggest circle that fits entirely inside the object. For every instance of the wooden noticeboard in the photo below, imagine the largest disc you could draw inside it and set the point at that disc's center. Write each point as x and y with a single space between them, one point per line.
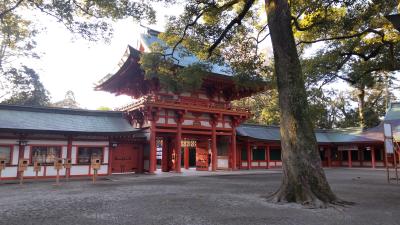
202 156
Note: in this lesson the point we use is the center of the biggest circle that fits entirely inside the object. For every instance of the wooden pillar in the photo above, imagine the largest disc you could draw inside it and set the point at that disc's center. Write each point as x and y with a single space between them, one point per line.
178 144
153 148
267 152
186 157
349 158
69 154
233 148
248 155
372 156
329 153
213 147
164 157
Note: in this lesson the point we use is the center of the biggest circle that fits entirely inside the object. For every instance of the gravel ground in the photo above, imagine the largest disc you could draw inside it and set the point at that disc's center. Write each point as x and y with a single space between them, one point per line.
218 199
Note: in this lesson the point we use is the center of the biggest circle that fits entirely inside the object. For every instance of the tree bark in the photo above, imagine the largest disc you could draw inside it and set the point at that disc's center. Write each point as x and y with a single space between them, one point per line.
361 105
304 180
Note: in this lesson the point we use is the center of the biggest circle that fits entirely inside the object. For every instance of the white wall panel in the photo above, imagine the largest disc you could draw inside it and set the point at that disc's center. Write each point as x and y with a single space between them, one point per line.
64 152
9 172
50 171
15 155
106 154
80 170
26 152
30 173
223 163
73 154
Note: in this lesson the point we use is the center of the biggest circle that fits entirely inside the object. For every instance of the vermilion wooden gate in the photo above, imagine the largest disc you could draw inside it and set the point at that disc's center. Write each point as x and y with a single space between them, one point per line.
125 158
202 156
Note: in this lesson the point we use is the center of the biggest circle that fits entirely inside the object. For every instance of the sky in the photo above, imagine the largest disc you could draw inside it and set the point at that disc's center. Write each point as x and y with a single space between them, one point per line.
71 63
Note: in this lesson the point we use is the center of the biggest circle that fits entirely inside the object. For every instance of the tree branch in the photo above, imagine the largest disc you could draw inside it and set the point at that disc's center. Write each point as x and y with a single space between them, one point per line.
2 14
369 30
236 20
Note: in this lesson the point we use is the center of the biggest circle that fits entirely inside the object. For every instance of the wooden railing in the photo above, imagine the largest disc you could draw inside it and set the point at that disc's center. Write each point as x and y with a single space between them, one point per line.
185 101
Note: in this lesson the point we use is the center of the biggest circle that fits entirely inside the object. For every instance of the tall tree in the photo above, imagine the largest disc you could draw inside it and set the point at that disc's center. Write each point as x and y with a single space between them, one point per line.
26 87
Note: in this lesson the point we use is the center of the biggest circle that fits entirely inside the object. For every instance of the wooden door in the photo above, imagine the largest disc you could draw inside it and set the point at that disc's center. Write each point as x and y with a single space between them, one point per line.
202 156
125 158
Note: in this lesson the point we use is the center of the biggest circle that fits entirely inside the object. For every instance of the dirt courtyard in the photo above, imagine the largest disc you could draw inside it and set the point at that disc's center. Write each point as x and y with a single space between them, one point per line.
209 199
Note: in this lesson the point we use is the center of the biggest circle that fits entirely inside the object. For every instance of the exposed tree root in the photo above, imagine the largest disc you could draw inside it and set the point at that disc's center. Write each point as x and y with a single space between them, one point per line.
307 200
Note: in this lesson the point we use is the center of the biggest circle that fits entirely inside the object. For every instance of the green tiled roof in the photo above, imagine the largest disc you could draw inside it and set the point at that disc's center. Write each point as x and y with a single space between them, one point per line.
58 120
272 133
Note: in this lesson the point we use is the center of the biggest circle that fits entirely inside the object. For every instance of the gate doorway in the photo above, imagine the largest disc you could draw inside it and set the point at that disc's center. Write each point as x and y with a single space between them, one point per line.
125 158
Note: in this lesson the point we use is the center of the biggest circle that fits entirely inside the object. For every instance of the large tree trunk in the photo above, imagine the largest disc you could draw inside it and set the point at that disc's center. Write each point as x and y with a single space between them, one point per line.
304 180
361 105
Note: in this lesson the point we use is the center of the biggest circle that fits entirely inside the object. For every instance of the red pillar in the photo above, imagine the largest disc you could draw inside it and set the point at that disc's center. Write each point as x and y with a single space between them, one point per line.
373 157
186 157
248 155
349 158
329 153
178 147
153 148
69 153
213 147
233 149
267 152
164 157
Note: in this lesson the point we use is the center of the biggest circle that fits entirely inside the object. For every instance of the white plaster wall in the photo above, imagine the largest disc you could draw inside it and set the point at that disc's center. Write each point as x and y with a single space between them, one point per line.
203 96
103 170
379 164
244 163
186 94
219 124
254 163
15 155
106 153
73 154
227 125
9 172
278 163
30 173
50 171
355 163
263 163
80 170
26 152
64 152
367 163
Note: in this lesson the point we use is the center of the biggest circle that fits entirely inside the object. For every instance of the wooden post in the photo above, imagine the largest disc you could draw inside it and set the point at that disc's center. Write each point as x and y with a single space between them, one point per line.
178 146
233 148
94 176
58 177
164 157
248 155
213 147
153 148
267 149
349 158
186 157
21 177
69 153
329 153
372 156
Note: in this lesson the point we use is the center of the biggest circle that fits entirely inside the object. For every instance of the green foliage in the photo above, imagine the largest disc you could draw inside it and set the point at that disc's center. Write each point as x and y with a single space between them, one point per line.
171 76
26 88
104 108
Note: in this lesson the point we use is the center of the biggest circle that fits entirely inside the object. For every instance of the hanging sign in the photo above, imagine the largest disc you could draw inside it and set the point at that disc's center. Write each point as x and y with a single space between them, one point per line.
347 147
389 146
